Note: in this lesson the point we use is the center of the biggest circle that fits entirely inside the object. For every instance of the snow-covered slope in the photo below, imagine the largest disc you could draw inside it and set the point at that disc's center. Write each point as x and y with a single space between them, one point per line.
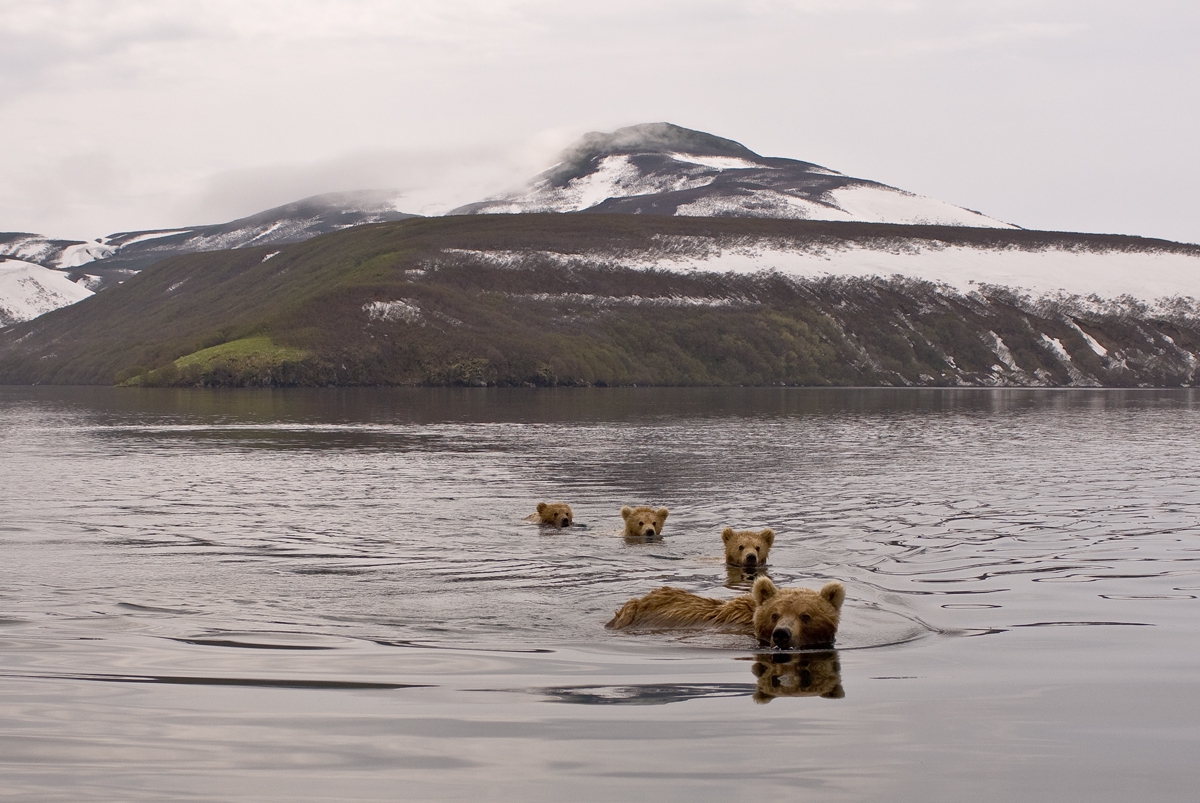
110 260
1143 270
659 168
28 290
1107 273
290 223
50 253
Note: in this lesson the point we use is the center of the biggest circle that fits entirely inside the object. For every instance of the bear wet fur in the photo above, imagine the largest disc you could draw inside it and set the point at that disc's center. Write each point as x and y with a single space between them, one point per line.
643 521
747 549
668 607
556 514
785 619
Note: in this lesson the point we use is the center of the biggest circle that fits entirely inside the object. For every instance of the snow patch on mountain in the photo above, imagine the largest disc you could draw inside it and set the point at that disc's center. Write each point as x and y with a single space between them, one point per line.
28 290
762 203
715 162
614 177
1146 275
881 204
402 309
153 235
75 255
1092 343
598 301
32 247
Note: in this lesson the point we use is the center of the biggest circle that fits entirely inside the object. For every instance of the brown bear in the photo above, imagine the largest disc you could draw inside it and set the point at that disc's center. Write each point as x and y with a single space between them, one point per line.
803 674
668 607
785 619
747 548
557 514
791 618
643 522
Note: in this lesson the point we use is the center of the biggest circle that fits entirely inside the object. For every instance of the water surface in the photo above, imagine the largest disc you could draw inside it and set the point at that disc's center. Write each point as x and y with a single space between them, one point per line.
270 595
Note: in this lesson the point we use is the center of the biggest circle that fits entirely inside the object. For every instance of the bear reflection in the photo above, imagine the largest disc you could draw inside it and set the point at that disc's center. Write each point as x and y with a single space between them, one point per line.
737 577
804 674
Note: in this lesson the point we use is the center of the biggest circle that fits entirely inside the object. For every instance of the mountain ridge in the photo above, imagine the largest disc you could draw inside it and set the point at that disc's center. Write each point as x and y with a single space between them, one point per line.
119 254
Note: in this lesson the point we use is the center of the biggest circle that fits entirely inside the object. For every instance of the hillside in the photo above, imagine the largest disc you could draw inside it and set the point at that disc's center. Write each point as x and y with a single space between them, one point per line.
619 300
107 261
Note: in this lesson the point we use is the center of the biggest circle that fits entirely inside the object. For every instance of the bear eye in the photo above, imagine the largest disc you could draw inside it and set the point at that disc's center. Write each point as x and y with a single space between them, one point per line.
774 617
804 617
741 549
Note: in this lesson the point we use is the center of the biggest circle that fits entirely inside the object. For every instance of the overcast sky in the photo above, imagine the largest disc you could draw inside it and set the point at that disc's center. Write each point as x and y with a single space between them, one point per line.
1078 115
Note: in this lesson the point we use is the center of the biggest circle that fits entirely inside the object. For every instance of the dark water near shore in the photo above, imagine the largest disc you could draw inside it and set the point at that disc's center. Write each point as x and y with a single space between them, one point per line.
332 595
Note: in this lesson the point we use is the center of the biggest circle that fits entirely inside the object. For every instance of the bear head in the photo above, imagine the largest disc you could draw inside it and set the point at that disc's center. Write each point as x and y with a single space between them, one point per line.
747 548
644 522
793 618
558 514
805 674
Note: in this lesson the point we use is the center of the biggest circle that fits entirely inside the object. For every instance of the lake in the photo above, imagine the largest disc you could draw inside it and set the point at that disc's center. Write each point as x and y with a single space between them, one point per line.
333 594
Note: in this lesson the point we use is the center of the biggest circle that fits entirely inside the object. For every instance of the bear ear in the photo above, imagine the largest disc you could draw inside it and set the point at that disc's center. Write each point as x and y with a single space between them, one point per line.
542 507
836 693
768 535
625 511
663 513
763 590
727 534
834 593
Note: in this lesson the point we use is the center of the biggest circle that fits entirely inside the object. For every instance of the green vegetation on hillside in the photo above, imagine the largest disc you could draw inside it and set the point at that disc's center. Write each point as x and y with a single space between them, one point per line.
427 301
249 362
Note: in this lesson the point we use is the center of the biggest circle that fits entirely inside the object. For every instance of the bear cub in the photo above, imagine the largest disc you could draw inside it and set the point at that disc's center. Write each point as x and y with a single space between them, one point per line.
643 522
747 549
556 514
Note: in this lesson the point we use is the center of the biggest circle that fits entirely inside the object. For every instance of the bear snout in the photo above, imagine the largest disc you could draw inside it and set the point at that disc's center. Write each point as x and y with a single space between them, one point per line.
565 522
751 560
781 638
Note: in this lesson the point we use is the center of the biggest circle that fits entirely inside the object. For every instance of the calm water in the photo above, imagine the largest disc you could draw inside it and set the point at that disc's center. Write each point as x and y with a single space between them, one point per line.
332 595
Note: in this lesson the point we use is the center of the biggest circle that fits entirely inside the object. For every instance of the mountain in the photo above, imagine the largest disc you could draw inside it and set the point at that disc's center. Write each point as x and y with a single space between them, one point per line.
592 299
110 260
663 169
656 168
692 261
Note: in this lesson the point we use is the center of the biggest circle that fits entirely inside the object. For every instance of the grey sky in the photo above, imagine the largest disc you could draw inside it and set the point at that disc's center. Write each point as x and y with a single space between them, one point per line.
120 114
